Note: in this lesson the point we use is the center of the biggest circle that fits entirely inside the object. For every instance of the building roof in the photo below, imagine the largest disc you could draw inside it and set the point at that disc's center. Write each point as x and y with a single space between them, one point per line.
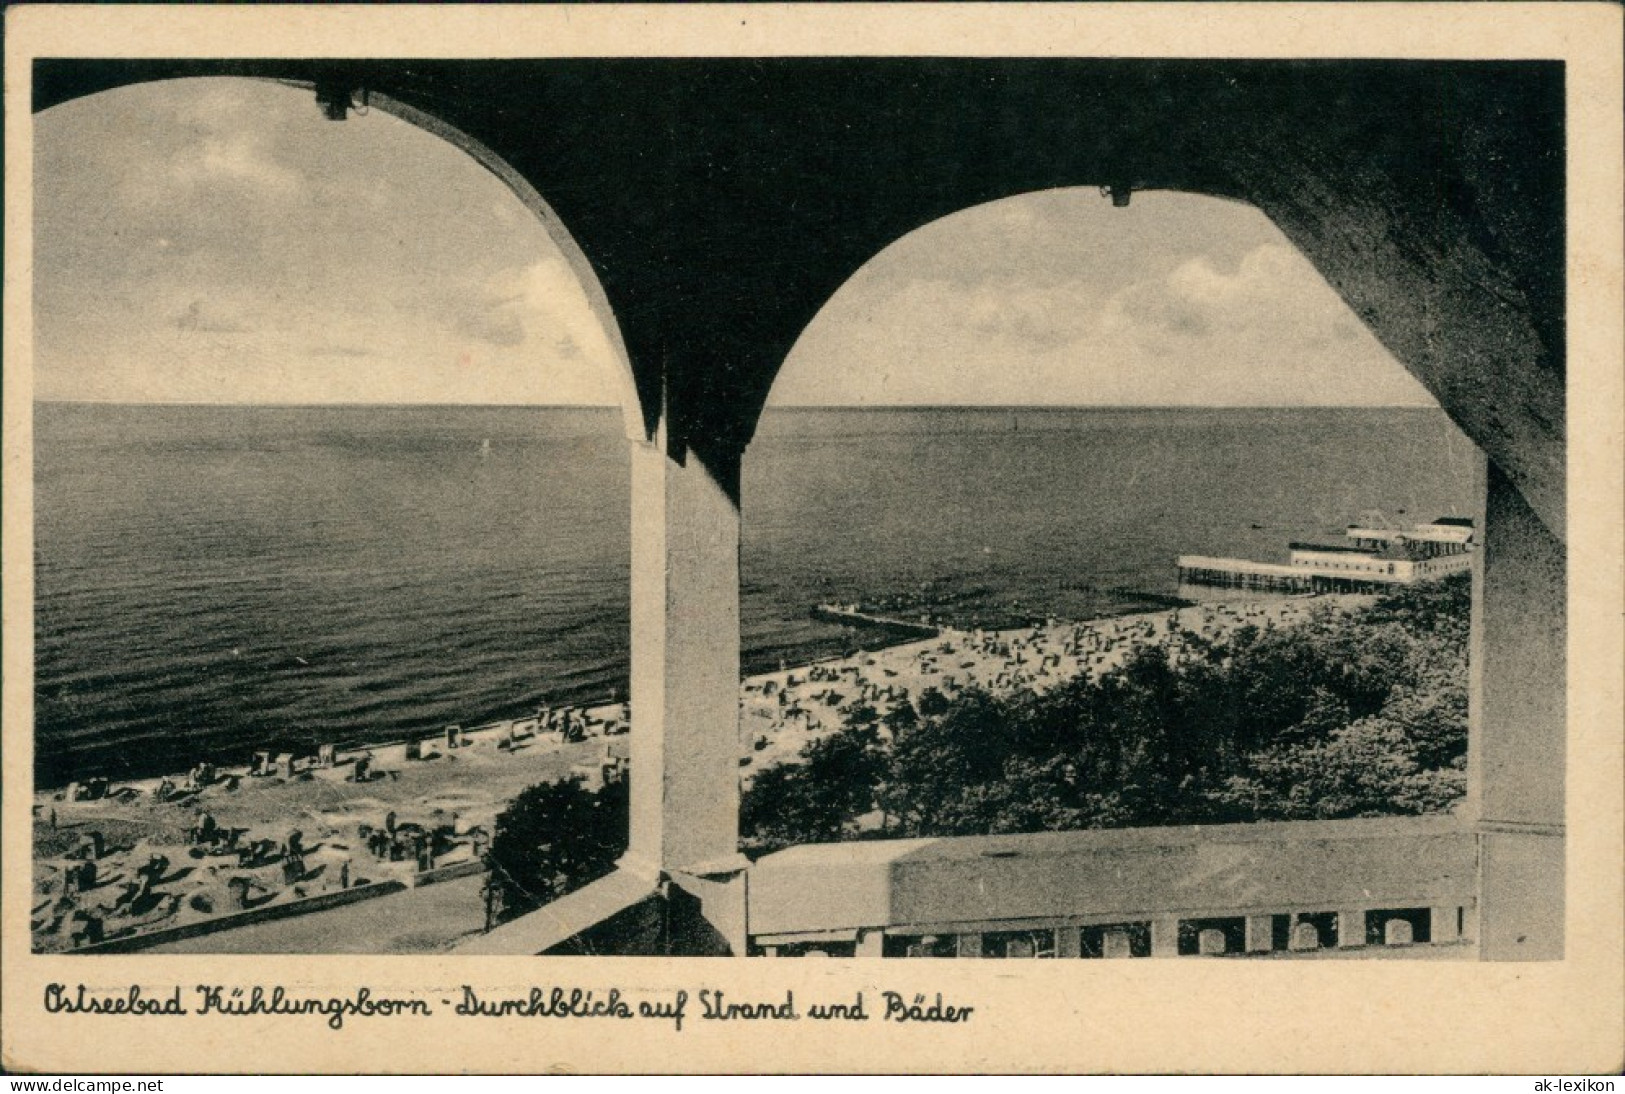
921 884
1457 522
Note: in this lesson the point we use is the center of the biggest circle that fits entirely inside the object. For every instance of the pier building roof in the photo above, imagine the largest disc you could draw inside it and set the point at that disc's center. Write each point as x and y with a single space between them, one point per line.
1330 548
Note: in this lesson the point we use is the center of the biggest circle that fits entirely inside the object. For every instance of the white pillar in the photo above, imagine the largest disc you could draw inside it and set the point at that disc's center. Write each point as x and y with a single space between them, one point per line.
1260 933
1350 928
685 667
1116 943
1165 936
1518 728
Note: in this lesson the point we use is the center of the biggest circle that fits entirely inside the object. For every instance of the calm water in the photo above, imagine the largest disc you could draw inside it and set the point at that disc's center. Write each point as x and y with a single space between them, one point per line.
210 580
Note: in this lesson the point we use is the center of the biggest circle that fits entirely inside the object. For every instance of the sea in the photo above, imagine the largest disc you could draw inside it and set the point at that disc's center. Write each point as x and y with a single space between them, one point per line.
214 580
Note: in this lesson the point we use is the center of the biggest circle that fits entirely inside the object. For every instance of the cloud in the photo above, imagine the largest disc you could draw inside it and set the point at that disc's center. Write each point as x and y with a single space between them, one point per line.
1161 310
229 178
1190 329
203 317
1037 317
493 321
335 350
203 143
1272 289
1013 312
541 302
240 159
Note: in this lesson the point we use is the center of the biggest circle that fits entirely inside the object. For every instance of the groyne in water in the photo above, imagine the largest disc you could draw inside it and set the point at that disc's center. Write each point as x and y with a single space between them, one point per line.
853 616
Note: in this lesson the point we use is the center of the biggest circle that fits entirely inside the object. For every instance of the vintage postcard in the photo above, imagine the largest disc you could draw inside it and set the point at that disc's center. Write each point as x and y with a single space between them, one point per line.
607 538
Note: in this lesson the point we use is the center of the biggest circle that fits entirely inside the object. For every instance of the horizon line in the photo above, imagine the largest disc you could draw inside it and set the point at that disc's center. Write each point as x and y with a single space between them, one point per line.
792 406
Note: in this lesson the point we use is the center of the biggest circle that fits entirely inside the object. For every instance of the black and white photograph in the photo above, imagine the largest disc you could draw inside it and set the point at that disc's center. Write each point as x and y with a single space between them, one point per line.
1095 508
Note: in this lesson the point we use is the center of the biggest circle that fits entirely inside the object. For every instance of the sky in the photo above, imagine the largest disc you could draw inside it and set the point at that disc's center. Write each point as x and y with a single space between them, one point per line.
219 241
1061 298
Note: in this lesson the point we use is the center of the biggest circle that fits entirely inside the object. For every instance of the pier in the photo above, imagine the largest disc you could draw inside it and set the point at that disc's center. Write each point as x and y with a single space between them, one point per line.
1375 560
1240 573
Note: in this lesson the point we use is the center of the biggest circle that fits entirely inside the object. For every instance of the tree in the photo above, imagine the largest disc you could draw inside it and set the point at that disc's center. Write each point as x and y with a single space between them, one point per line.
934 762
1367 769
1347 714
552 839
781 808
901 716
813 801
860 714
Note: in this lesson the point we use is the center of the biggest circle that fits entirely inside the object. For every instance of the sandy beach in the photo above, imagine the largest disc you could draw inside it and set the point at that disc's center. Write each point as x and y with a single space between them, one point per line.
451 795
159 853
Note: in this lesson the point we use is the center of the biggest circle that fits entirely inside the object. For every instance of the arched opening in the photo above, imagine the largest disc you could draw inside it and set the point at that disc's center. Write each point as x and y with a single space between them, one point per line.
330 494
1108 518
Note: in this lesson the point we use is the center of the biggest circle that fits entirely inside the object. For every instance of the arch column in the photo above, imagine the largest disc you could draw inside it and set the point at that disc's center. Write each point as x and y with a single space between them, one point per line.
1518 728
685 667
